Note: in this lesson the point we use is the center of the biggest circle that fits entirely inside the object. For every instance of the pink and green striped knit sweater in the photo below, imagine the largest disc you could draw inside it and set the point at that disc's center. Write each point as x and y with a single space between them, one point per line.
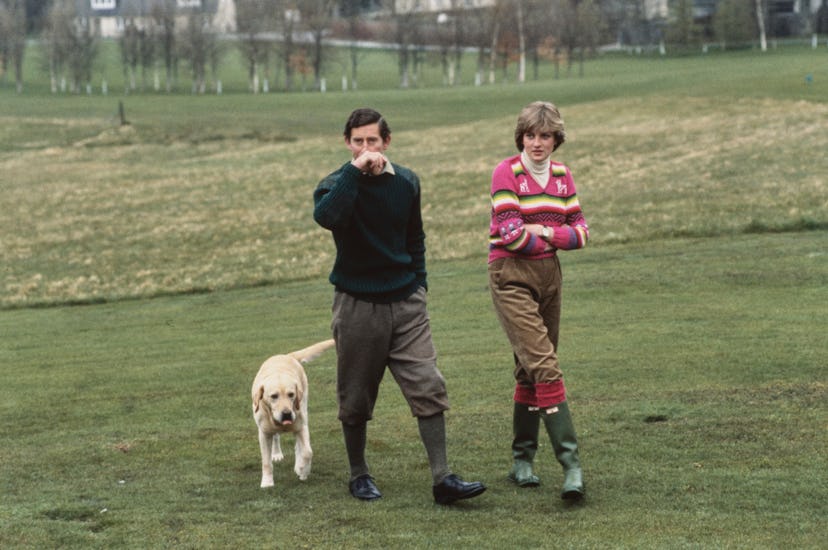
517 199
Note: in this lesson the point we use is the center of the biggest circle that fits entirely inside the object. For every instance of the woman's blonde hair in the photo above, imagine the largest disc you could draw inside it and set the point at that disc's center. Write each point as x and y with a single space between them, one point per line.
540 116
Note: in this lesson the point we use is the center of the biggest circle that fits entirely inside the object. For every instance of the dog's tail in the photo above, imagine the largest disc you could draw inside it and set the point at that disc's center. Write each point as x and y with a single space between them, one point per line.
312 352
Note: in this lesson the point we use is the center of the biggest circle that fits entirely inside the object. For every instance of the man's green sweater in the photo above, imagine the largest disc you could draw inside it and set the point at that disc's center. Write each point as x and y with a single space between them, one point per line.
377 227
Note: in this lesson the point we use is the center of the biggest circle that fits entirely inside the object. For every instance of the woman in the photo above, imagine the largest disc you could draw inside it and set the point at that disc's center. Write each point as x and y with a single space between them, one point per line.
535 213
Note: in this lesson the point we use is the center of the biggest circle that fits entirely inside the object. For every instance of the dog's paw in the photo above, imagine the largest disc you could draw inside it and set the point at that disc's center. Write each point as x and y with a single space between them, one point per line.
302 471
278 457
267 482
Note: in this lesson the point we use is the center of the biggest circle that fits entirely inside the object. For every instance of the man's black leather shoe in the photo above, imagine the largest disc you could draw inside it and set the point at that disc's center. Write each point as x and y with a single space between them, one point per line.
364 488
452 488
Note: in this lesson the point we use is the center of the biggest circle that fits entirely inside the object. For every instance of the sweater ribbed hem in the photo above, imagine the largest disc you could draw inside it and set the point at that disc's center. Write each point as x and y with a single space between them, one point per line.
389 297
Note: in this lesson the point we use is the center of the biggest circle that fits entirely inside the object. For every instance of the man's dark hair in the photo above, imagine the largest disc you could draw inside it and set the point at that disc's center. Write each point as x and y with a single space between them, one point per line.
364 117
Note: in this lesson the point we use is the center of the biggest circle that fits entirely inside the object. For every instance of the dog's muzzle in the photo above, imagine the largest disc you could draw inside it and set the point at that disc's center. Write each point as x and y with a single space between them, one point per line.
286 418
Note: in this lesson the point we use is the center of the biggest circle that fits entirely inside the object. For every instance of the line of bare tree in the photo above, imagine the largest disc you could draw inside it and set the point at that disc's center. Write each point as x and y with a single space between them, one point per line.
507 33
287 44
12 39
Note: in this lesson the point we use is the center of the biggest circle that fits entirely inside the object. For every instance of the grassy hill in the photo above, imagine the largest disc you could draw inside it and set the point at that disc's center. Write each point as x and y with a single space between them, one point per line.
200 193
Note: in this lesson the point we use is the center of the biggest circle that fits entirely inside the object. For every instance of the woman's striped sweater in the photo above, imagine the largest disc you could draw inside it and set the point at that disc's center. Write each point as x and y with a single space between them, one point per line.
517 199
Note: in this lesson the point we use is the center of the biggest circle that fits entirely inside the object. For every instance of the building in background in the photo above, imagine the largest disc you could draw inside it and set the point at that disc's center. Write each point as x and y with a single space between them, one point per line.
108 18
435 6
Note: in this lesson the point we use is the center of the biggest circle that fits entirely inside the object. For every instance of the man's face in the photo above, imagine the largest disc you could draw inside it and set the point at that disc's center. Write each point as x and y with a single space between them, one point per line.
366 138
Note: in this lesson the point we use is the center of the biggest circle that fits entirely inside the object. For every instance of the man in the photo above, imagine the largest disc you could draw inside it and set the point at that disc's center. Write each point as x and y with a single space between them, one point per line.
372 208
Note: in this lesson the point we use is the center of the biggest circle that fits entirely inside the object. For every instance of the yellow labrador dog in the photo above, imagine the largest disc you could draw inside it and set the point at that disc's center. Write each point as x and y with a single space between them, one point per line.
280 405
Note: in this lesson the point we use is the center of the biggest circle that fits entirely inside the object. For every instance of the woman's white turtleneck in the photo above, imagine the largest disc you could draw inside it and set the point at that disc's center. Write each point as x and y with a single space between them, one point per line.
539 170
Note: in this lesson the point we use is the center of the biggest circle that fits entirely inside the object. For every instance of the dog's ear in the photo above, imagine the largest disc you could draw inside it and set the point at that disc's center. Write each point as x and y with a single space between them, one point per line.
297 400
257 398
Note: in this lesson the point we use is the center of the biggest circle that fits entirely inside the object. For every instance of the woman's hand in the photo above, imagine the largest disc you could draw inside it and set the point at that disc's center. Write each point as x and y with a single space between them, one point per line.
536 229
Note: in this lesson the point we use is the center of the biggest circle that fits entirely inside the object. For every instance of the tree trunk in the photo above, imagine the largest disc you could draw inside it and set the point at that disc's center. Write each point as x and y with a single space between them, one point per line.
18 69
493 51
521 43
354 63
760 18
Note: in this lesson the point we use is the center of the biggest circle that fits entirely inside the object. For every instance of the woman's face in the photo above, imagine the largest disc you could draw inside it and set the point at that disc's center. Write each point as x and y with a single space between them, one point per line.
538 145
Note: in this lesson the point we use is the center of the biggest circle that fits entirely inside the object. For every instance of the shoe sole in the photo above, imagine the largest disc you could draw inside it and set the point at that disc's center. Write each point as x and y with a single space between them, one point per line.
368 499
573 496
472 494
514 480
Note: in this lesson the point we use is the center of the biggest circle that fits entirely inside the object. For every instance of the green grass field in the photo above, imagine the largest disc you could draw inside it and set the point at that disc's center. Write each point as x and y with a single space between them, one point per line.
148 270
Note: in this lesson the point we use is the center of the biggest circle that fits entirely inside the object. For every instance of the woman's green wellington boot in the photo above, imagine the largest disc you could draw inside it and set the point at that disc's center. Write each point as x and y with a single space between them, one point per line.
525 426
558 422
